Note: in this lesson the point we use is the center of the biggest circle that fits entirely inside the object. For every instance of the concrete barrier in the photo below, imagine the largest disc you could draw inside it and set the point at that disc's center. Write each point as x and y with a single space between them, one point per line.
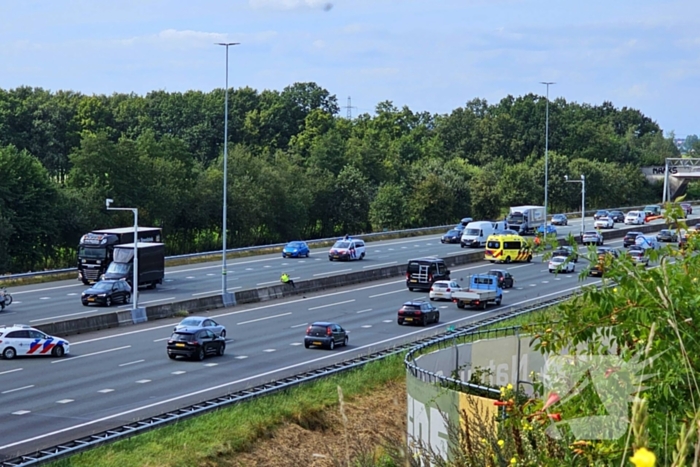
263 294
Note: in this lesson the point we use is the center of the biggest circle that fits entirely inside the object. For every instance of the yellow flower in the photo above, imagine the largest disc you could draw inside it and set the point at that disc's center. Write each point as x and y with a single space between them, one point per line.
615 290
509 387
513 461
643 458
501 443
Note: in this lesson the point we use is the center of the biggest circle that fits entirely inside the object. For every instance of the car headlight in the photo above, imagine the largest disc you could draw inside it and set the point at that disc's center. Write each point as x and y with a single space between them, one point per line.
83 294
102 295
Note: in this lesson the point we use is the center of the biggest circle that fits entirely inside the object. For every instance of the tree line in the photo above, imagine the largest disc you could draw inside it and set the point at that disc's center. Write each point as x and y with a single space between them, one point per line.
296 168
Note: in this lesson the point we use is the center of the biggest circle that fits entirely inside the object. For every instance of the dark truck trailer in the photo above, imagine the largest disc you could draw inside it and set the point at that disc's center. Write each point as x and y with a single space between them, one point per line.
151 264
95 251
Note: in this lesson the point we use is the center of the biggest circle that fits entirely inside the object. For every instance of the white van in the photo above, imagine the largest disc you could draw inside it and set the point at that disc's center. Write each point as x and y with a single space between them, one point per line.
647 242
635 218
476 233
500 226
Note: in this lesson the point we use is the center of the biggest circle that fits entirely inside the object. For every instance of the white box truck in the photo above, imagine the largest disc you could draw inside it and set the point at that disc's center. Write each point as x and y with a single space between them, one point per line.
526 219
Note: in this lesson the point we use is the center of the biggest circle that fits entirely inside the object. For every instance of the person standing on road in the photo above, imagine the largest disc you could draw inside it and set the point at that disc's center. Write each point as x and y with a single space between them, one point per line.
286 280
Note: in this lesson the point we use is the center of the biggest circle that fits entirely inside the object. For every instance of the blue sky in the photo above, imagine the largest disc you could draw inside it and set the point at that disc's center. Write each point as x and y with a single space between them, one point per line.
430 55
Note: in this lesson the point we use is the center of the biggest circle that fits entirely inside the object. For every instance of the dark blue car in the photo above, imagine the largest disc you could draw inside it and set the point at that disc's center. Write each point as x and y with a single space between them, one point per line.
295 250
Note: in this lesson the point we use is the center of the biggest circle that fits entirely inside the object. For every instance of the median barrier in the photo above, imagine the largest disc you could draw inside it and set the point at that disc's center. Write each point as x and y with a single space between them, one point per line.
262 294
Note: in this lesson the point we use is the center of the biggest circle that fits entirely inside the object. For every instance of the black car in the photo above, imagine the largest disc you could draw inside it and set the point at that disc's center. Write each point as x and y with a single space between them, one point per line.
452 236
667 235
107 292
630 238
418 312
422 272
559 219
568 251
601 213
617 216
325 334
195 343
505 279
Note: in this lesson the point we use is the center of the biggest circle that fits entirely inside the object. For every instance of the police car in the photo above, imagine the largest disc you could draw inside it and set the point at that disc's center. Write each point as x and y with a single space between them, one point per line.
347 249
21 340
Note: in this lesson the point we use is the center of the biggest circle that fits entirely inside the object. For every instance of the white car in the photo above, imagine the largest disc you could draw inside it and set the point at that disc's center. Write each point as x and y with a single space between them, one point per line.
442 290
635 218
22 340
561 264
604 223
592 236
347 249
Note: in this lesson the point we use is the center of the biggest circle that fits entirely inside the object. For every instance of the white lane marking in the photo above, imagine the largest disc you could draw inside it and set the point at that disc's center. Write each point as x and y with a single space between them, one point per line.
210 364
298 325
266 317
365 311
295 343
190 277
91 354
212 274
21 412
261 375
378 265
545 282
48 288
143 381
72 294
65 401
178 372
159 300
161 339
533 285
269 350
215 292
516 267
387 293
17 389
366 326
331 272
267 266
388 321
331 304
105 391
11 371
241 357
251 269
404 247
132 363
268 282
44 298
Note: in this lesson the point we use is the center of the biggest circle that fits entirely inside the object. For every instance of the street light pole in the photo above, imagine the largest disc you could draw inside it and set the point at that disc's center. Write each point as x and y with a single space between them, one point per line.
224 286
135 272
583 199
546 154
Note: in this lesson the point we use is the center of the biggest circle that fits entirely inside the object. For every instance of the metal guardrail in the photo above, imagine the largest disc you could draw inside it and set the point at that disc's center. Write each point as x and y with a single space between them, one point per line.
108 436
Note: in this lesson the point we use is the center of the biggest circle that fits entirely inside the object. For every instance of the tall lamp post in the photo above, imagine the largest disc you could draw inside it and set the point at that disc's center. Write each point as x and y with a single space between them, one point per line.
546 153
583 199
135 276
224 287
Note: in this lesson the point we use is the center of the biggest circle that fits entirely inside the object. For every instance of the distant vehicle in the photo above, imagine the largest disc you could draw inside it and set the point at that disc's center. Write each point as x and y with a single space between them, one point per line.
201 322
465 221
106 293
325 334
505 279
195 343
604 223
20 340
296 249
603 252
635 218
347 250
550 229
506 232
561 264
667 235
638 257
652 210
687 208
451 236
421 273
475 234
617 216
600 213
647 242
500 226
592 237
629 238
418 312
567 251
95 250
151 264
507 249
442 290
483 289
525 219
560 219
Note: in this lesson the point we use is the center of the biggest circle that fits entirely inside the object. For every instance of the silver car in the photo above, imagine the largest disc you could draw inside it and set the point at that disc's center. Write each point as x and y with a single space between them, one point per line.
592 236
201 322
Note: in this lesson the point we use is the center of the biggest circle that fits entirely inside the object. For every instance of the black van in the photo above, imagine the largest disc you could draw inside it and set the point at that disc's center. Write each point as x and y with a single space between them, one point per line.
422 272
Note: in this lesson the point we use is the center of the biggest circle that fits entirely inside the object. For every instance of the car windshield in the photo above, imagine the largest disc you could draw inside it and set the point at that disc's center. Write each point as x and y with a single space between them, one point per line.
102 286
473 232
453 232
558 259
92 253
602 213
118 268
633 214
665 232
592 234
182 336
341 245
636 252
411 307
190 322
295 245
441 285
493 244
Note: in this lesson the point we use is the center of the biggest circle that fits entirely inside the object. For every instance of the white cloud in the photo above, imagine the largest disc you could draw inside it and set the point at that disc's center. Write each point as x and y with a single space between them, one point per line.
195 39
290 4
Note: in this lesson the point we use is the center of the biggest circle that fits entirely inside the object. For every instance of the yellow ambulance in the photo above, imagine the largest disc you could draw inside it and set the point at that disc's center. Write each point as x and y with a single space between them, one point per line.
507 248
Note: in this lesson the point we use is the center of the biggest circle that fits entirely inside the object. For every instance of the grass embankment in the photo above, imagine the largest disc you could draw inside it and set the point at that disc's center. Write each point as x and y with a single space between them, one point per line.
216 438
215 257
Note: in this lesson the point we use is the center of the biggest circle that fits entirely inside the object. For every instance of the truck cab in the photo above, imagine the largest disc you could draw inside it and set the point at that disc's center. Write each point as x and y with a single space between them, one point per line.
483 289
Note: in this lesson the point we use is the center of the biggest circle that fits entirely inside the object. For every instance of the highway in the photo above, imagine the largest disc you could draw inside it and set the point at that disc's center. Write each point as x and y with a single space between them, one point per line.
55 301
117 376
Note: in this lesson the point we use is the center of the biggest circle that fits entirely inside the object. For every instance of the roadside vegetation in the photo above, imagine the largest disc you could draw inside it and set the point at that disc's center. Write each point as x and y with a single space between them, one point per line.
297 169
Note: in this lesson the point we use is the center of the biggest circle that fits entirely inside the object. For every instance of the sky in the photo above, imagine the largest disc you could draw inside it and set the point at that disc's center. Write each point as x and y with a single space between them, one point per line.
431 56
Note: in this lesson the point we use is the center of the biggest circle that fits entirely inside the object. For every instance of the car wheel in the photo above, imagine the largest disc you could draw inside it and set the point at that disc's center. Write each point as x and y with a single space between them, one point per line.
9 353
432 299
127 298
306 344
200 355
460 305
362 256
331 344
498 301
172 356
58 351
437 317
108 301
221 350
399 321
529 258
573 269
424 321
410 289
345 341
330 259
223 333
507 259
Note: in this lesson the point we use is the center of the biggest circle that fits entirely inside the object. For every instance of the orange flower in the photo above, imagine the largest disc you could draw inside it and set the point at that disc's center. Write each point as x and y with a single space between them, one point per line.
555 416
552 399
